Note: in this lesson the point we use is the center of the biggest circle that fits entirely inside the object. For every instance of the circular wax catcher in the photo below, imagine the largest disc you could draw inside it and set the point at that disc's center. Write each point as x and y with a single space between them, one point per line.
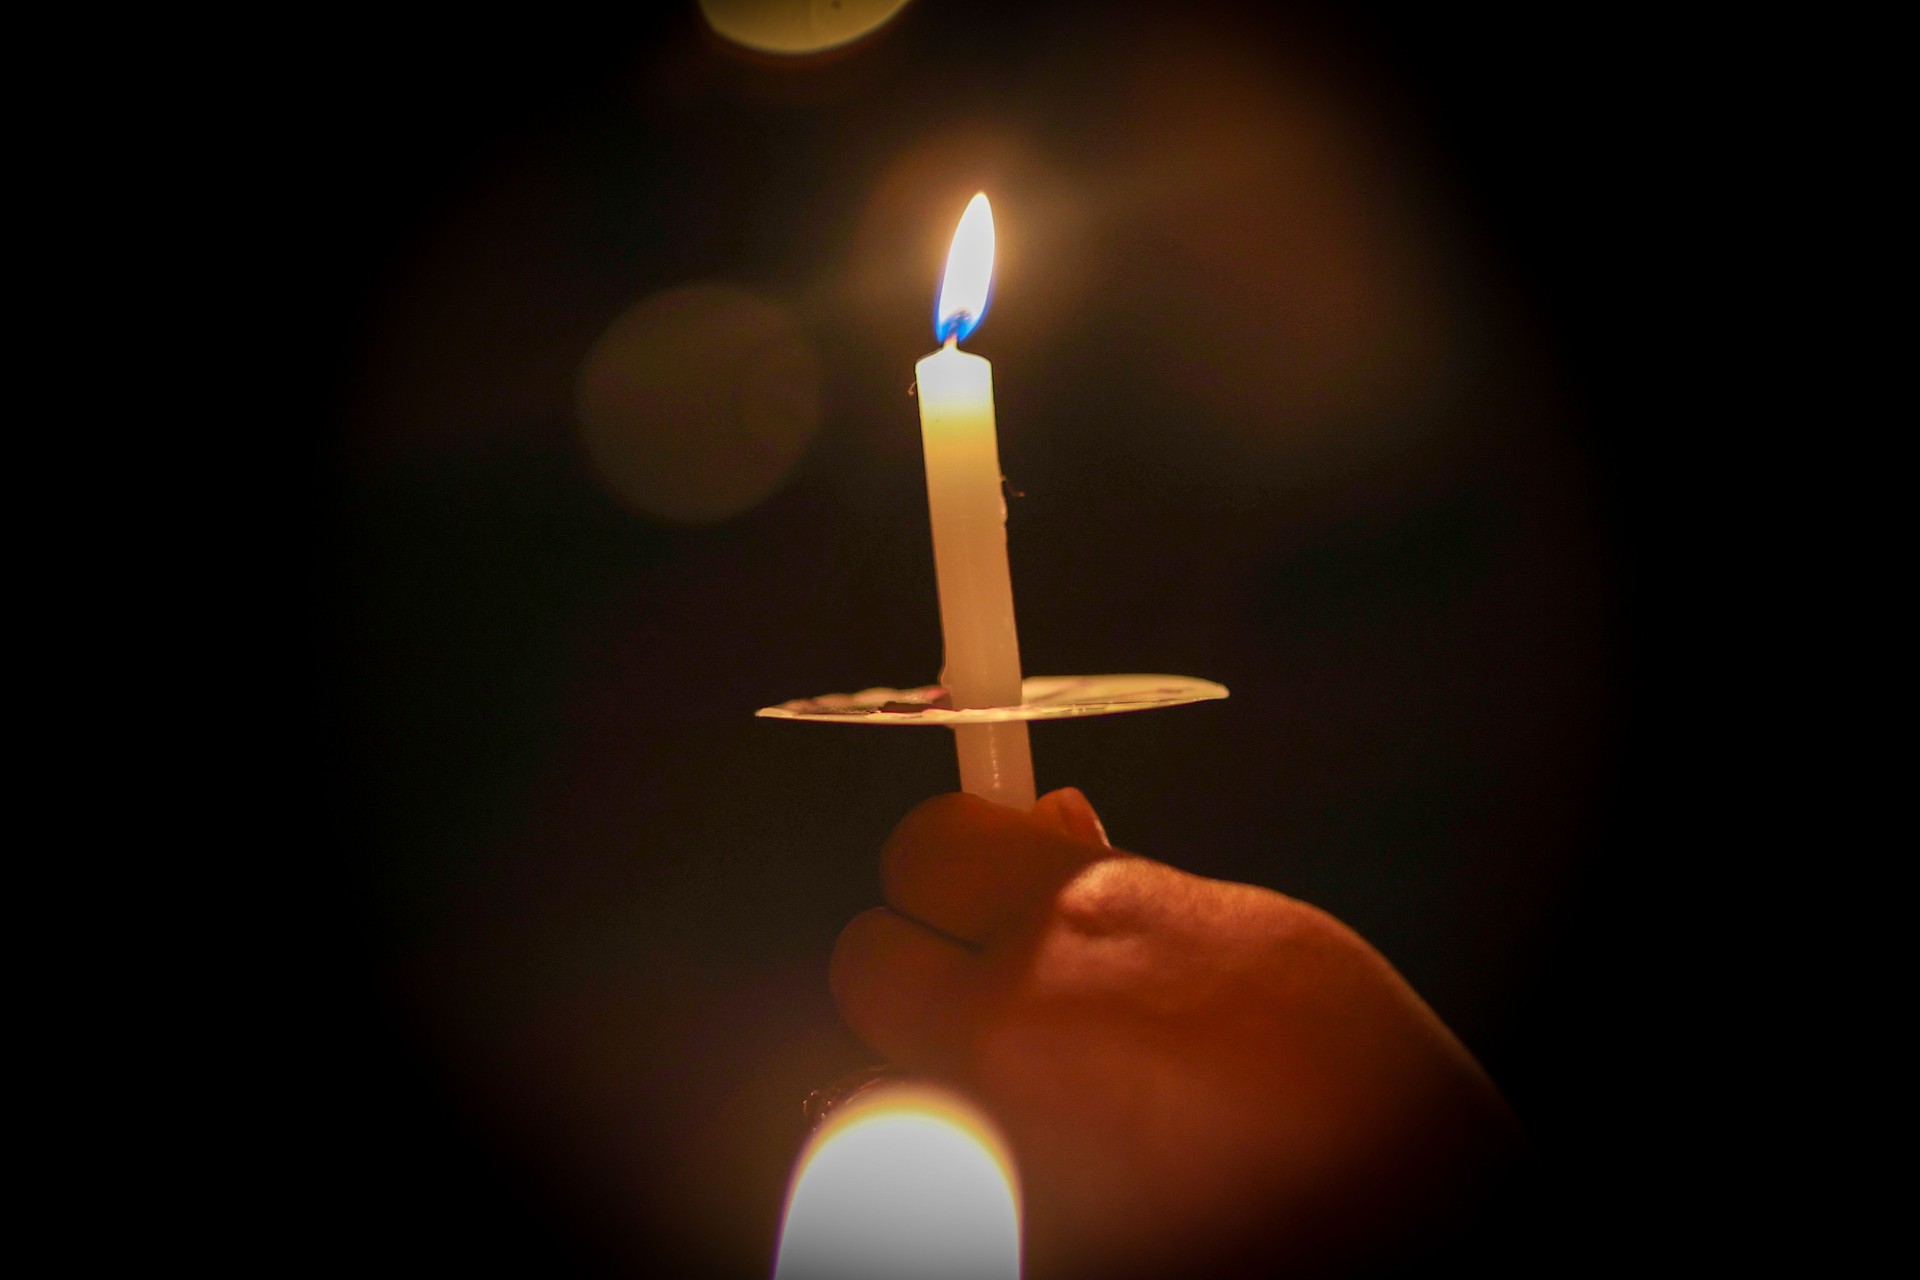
1041 698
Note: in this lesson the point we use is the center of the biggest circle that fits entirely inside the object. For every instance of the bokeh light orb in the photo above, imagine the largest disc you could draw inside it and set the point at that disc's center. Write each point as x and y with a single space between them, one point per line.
697 402
907 1180
797 26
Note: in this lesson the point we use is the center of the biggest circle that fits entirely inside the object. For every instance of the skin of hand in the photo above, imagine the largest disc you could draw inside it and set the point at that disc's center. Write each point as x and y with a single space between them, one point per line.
1196 1077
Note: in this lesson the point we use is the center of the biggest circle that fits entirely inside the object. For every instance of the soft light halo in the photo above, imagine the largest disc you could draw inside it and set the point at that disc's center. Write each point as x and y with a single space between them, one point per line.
904 1180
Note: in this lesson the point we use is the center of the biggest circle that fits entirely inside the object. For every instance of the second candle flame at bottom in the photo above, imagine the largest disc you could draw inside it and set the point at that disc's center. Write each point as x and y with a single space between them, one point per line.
907 1181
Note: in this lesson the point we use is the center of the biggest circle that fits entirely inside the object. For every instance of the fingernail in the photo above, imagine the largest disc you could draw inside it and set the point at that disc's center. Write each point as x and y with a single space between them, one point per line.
1081 821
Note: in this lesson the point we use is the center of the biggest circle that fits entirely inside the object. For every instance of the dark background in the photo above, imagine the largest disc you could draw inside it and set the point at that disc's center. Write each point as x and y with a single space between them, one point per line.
1326 369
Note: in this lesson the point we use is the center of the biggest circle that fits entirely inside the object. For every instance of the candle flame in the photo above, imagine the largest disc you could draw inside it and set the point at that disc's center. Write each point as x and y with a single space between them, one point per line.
964 288
910 1181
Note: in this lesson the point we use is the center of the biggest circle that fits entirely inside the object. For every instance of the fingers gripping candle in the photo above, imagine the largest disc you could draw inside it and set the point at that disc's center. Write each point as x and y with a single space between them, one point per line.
969 511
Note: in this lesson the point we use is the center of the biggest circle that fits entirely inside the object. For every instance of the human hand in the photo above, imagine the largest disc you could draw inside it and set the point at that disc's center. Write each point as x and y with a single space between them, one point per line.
1195 1076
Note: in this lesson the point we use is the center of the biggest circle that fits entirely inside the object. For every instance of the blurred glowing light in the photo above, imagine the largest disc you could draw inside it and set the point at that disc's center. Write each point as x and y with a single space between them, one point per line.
697 403
904 1182
797 26
964 288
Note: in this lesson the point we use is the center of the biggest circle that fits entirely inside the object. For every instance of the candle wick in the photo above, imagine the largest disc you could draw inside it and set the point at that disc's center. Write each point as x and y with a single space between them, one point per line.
951 328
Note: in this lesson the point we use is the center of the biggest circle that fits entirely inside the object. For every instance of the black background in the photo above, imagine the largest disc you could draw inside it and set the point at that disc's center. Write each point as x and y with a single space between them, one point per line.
566 906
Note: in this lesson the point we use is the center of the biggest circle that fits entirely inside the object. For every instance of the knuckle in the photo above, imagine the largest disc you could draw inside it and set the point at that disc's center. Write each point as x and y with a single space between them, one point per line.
1104 896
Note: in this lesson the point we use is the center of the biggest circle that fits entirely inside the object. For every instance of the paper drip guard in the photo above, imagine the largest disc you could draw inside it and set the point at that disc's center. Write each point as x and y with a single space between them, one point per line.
1041 698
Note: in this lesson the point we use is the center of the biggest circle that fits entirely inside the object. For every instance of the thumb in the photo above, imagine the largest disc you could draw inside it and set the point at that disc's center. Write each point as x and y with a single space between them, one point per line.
1070 813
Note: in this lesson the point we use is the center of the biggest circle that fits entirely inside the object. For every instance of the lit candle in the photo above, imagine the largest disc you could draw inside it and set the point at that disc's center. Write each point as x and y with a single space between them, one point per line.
969 510
909 1181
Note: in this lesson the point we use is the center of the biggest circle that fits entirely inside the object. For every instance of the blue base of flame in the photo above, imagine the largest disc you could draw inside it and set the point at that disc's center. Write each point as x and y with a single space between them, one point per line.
956 326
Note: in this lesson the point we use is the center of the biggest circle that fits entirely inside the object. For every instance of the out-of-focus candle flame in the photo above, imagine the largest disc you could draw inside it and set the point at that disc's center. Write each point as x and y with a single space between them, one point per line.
907 1181
963 290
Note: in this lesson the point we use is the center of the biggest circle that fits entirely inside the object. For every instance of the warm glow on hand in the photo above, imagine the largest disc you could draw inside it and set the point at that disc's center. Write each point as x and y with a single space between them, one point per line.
1196 1074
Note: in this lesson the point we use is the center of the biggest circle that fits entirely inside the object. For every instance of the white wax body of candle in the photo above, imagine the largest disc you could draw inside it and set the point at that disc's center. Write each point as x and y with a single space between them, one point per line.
969 511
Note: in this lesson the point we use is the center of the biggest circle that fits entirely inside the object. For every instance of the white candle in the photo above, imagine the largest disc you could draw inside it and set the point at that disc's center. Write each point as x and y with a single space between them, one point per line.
969 510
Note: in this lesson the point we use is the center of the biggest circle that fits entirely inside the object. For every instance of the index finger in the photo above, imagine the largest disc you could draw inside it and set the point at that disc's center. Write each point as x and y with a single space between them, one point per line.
971 868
